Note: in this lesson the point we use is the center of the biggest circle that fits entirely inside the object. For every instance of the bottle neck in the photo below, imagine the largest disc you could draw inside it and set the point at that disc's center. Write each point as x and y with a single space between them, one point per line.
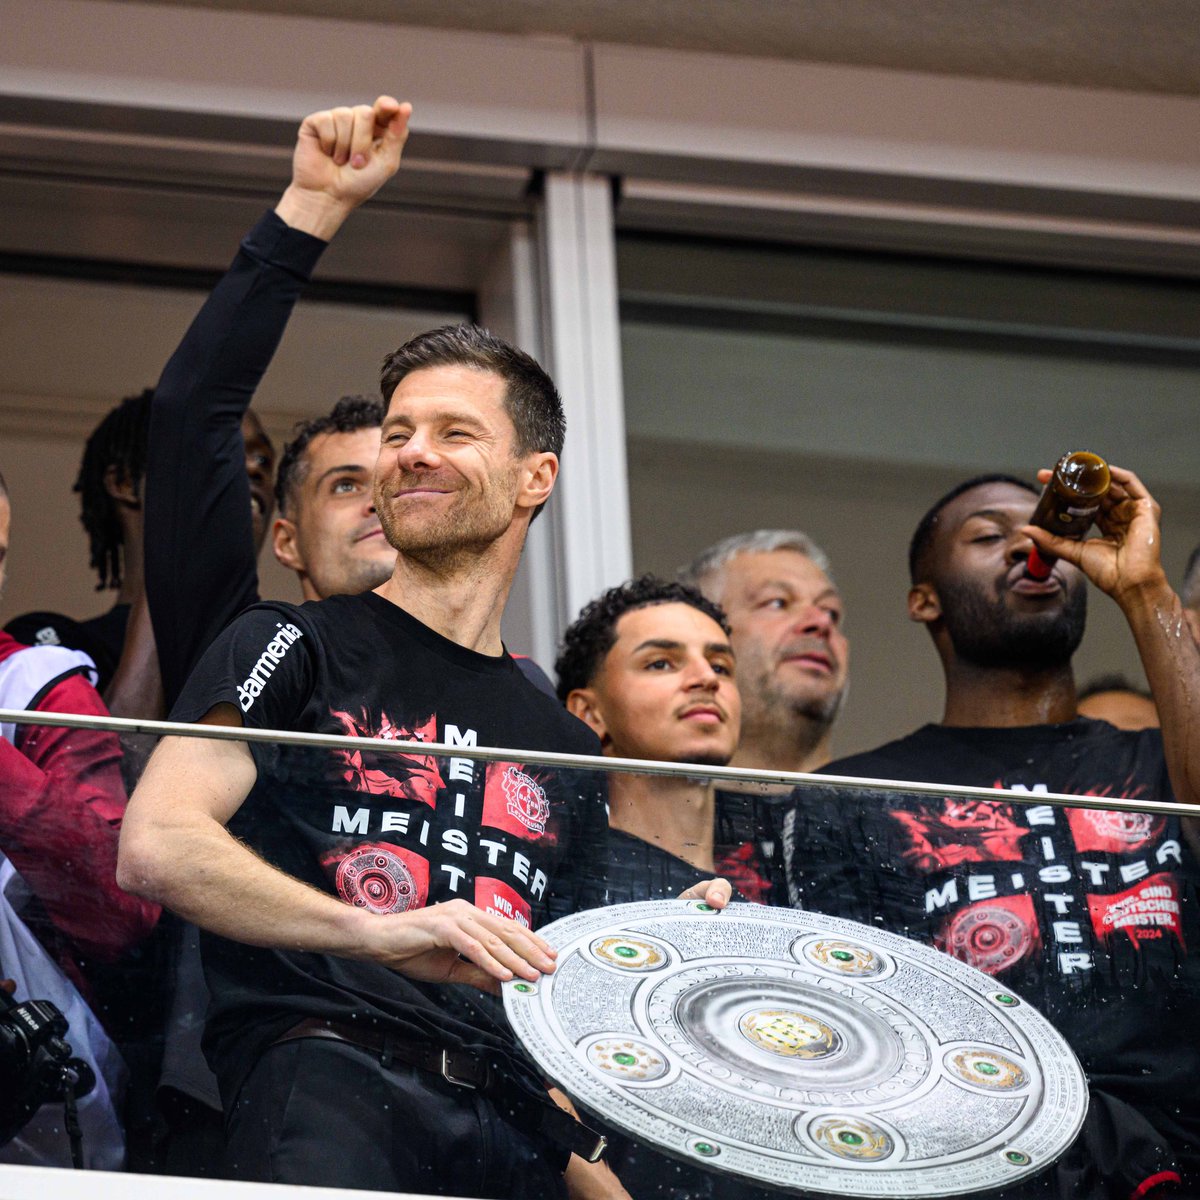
1038 566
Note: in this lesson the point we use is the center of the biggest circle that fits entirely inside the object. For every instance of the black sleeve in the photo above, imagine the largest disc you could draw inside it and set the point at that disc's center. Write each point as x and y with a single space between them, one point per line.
264 663
824 847
844 856
200 558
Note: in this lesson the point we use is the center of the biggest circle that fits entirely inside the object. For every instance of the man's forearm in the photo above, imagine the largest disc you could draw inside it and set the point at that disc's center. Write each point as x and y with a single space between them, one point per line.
191 789
229 890
592 1181
135 689
1171 659
225 888
585 1180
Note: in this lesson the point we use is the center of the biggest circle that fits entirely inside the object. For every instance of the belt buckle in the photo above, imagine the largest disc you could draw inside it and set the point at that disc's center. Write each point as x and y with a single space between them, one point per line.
597 1151
466 1083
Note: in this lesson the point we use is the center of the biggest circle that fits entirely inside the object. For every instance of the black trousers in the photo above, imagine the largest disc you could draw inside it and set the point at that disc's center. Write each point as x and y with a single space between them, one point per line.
329 1114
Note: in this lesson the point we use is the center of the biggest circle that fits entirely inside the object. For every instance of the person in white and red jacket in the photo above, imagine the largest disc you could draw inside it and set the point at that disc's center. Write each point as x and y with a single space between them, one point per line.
61 803
61 912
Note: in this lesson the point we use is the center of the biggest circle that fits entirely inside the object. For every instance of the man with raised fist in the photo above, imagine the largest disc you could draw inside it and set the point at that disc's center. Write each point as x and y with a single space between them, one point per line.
347 895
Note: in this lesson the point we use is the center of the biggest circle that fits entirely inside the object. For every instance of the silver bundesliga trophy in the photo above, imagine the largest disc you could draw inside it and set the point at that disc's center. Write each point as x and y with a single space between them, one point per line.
799 1051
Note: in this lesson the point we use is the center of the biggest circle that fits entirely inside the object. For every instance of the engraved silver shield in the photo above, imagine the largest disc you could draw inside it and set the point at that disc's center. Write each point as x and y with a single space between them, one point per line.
800 1051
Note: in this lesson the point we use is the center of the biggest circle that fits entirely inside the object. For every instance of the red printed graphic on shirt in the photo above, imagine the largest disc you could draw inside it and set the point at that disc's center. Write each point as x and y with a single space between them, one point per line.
515 801
960 831
1147 912
992 935
380 877
495 897
407 776
1110 832
740 865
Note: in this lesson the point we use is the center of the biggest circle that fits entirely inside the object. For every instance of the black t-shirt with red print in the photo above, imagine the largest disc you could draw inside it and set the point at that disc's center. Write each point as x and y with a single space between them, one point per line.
1090 915
387 832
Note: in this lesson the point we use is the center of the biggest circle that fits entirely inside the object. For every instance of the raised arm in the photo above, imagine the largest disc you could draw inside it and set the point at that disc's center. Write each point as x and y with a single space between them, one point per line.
175 849
201 555
1125 562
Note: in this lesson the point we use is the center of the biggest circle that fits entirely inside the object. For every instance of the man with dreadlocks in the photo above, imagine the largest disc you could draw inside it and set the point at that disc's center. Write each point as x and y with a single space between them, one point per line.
61 800
111 488
110 494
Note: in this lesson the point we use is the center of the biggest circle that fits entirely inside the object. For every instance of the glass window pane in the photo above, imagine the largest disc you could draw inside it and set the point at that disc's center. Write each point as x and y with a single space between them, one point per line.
956 961
841 393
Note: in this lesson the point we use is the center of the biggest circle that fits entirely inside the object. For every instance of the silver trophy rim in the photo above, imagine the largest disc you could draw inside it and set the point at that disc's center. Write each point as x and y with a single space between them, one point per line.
559 1058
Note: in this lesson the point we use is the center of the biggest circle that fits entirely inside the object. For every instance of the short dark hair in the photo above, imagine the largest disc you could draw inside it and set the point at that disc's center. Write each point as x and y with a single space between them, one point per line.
594 632
348 415
530 397
922 538
120 440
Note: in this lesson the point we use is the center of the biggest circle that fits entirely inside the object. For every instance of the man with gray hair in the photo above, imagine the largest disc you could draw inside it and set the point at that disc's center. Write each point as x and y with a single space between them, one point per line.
792 656
785 617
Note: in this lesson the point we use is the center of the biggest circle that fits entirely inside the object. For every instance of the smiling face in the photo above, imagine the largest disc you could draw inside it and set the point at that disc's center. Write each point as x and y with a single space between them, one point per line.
332 537
977 592
449 478
665 690
786 617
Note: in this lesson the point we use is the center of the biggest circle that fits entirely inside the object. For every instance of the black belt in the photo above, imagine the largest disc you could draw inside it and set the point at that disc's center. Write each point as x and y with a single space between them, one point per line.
463 1069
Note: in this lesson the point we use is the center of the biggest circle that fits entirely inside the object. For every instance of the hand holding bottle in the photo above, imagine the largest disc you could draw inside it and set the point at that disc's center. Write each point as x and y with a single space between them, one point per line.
1069 504
1126 558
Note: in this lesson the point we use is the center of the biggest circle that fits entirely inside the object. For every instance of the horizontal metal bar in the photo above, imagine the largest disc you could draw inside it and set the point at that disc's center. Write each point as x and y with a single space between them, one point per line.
624 766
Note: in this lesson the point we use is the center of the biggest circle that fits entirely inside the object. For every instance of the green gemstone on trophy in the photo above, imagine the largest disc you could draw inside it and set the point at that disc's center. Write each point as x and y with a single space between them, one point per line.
706 1148
624 1060
843 956
1004 998
1017 1158
524 987
702 907
850 1139
987 1068
625 952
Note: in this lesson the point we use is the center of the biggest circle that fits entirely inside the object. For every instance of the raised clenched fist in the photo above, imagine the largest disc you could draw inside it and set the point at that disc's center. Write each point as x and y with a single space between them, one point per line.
343 157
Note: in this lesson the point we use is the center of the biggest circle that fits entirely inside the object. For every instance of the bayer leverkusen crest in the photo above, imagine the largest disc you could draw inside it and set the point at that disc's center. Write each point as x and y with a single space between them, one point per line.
525 799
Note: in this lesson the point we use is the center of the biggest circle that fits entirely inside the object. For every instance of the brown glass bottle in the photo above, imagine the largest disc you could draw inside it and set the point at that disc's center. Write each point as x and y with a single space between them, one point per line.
1070 503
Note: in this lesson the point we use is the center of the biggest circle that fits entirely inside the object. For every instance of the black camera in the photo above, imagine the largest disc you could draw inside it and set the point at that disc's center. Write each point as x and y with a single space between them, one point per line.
36 1064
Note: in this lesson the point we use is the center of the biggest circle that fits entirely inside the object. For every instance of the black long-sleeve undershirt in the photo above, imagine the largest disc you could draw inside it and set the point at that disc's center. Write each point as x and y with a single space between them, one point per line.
201 561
